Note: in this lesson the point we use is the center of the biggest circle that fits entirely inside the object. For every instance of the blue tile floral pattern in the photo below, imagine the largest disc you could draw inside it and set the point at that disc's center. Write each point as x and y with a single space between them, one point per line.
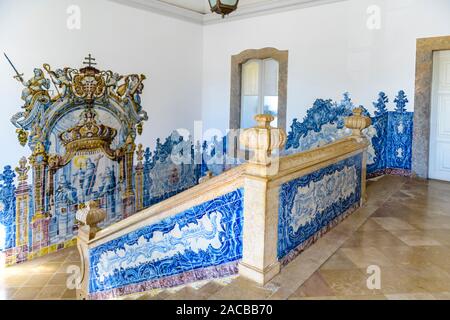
323 124
7 208
399 140
206 235
310 203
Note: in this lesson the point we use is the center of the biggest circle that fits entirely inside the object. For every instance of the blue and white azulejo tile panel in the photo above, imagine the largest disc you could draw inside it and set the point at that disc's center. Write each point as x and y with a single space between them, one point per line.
399 140
390 134
312 202
206 235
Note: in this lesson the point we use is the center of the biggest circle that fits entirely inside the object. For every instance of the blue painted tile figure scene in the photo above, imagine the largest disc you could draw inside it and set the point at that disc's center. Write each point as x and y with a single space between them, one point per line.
206 235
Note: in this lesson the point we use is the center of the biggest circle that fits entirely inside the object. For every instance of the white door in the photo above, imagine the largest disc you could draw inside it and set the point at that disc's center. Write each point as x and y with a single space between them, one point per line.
440 118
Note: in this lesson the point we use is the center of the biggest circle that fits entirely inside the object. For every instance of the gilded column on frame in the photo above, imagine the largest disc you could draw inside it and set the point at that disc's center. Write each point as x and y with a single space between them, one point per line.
22 210
129 196
139 178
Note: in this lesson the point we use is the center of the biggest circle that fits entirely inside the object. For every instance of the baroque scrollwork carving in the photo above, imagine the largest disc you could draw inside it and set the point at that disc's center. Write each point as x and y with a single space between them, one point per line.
48 95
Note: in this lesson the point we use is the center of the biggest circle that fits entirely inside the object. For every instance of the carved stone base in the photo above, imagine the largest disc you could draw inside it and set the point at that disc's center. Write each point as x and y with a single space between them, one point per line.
259 276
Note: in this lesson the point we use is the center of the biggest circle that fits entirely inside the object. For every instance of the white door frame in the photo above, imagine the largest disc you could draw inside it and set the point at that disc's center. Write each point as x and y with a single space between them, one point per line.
439 155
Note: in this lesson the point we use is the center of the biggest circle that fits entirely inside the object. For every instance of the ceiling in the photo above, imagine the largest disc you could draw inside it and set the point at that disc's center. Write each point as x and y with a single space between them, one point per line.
198 11
202 6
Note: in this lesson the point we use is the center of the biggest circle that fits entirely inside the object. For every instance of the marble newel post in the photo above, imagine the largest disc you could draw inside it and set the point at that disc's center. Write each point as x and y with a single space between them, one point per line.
260 235
357 122
89 216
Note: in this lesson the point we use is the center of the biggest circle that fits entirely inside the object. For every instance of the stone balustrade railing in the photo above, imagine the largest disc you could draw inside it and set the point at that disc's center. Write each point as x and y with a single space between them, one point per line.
250 220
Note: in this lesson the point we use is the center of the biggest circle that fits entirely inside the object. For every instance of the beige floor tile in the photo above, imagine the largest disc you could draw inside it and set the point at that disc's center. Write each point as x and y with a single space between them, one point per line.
433 278
183 294
38 280
338 261
241 289
315 286
49 267
51 292
366 256
437 255
390 223
58 279
406 256
348 282
69 295
410 296
7 293
64 267
26 293
15 280
440 235
371 225
377 238
442 295
397 280
415 238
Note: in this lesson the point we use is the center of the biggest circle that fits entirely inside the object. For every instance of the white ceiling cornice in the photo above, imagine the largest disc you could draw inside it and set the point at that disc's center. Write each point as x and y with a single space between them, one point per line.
165 9
245 11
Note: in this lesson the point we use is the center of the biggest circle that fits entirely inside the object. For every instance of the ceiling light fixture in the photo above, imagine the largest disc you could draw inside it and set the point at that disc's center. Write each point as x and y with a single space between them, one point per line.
223 7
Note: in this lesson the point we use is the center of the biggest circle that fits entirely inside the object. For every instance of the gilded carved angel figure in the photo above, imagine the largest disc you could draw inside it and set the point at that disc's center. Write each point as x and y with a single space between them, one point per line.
113 80
38 83
132 87
60 80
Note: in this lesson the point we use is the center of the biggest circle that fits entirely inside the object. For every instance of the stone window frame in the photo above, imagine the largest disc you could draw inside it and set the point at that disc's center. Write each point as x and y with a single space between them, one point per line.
281 56
425 48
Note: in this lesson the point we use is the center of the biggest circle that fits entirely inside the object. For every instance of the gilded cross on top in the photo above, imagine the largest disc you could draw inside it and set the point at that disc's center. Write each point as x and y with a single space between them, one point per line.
89 61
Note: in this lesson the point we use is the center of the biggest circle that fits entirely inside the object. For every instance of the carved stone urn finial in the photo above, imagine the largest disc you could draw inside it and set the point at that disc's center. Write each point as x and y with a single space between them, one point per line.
357 122
90 216
263 139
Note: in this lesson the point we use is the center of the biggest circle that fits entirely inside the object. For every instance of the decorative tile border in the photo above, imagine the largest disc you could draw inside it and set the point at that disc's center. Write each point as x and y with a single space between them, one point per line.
209 273
388 171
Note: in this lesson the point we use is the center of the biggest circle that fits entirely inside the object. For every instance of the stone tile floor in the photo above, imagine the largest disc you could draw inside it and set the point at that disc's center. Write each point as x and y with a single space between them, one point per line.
404 229
43 278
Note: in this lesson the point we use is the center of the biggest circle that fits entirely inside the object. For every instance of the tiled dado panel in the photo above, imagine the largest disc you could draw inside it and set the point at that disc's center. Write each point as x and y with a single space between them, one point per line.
399 140
390 134
311 204
391 144
199 243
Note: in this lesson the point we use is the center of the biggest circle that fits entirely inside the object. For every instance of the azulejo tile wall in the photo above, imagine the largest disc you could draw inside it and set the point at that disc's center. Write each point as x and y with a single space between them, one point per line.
202 242
390 134
391 138
312 203
7 208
